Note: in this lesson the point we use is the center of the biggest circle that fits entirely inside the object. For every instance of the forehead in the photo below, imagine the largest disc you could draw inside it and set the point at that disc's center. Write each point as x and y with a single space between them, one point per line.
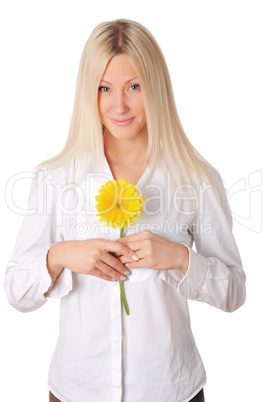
119 69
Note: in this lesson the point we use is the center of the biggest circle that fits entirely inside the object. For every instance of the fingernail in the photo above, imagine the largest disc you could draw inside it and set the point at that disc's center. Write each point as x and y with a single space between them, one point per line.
123 278
135 258
127 272
126 265
114 280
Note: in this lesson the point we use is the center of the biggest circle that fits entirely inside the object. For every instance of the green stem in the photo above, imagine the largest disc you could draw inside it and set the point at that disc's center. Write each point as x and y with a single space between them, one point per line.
124 299
121 287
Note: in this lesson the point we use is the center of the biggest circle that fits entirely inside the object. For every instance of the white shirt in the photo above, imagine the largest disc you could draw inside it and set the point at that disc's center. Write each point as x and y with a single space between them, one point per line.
102 355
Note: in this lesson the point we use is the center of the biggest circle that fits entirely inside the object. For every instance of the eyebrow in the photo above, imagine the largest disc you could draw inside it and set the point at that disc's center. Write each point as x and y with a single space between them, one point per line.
135 78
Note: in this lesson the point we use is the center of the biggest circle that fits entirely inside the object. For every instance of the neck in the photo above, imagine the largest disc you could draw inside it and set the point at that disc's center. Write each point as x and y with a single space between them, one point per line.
125 152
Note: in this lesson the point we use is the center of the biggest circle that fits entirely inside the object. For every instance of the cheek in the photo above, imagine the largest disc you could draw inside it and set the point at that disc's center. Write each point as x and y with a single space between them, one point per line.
102 107
143 114
140 106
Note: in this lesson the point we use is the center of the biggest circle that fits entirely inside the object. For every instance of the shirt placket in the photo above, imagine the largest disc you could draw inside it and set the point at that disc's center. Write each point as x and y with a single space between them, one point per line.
116 342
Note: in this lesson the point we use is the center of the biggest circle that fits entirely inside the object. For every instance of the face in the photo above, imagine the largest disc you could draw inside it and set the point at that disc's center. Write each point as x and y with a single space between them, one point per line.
120 101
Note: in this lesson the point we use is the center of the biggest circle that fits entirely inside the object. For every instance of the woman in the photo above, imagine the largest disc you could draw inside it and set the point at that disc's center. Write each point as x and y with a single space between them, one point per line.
125 125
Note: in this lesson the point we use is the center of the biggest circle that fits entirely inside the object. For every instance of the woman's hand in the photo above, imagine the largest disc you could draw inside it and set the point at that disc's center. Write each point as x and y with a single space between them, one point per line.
90 257
155 252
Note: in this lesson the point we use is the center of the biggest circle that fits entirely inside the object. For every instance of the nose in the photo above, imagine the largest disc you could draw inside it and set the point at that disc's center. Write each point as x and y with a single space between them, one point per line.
121 105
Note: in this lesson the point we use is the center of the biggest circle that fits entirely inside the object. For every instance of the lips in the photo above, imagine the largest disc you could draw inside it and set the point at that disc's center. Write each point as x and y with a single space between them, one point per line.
122 122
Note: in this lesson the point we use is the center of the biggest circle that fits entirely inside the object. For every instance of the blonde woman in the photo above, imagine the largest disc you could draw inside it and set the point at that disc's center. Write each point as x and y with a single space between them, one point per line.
125 125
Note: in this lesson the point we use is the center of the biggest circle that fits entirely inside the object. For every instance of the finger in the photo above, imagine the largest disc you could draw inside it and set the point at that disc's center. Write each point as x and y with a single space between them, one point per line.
134 245
124 260
139 264
100 274
121 250
110 272
114 263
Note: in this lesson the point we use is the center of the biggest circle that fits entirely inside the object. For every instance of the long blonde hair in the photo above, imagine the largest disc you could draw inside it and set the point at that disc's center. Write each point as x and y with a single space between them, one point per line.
165 130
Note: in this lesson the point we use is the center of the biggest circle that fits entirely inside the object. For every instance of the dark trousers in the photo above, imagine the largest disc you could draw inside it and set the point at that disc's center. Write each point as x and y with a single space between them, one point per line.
197 398
52 398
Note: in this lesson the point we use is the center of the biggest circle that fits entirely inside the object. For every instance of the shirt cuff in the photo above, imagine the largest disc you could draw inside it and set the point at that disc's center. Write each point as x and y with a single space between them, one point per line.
40 272
195 276
62 285
188 285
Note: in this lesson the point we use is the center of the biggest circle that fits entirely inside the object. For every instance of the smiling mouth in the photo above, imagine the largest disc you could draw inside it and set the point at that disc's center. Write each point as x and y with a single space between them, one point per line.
122 122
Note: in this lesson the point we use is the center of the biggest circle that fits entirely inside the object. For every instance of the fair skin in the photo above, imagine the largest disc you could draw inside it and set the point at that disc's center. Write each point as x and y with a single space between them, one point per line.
122 113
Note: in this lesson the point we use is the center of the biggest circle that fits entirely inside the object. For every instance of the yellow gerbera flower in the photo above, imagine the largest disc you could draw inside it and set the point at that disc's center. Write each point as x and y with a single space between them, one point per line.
119 203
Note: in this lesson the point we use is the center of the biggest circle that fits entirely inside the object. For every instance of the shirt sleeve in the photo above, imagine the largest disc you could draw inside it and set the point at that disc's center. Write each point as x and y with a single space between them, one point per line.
215 274
27 277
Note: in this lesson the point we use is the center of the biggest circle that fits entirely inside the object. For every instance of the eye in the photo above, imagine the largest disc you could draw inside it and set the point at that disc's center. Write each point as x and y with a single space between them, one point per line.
134 87
103 89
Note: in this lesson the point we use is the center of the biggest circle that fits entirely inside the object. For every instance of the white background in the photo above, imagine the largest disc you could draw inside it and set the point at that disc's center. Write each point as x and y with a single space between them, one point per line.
216 53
